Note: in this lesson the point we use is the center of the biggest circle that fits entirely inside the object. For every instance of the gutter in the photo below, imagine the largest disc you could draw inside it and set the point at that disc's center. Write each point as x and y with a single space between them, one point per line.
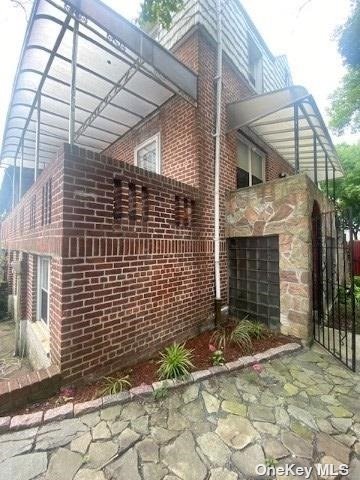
218 80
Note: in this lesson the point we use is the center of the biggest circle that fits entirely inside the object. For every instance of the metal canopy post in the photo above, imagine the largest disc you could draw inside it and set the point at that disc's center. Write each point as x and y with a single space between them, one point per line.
21 170
37 138
73 83
326 174
315 160
310 123
334 184
296 134
44 76
14 183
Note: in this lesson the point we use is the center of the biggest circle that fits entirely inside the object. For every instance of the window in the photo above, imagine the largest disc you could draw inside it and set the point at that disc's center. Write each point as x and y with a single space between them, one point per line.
250 165
147 155
43 289
255 66
254 283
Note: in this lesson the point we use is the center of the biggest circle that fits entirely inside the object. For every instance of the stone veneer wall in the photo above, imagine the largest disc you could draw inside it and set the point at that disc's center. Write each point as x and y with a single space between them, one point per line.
282 207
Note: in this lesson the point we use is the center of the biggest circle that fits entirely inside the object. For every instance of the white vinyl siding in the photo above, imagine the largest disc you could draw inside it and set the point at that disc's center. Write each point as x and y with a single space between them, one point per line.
237 27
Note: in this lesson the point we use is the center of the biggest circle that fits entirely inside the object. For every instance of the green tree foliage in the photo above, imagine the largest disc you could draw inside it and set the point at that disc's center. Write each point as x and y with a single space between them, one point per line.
159 12
349 37
347 189
345 101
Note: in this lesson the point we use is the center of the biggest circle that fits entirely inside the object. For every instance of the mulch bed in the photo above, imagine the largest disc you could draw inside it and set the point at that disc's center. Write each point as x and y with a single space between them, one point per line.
146 372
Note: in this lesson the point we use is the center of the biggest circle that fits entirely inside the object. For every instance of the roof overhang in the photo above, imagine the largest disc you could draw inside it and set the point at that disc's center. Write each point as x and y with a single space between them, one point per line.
122 77
271 117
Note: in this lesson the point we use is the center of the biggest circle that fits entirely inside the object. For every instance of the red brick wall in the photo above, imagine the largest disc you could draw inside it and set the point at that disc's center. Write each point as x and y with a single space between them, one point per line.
127 286
37 239
40 239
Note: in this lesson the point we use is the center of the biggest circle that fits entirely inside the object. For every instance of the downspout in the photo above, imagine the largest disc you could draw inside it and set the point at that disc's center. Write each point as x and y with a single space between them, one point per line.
218 80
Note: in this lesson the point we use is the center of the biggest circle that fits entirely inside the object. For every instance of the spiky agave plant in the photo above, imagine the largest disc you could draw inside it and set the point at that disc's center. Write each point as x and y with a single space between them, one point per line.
175 362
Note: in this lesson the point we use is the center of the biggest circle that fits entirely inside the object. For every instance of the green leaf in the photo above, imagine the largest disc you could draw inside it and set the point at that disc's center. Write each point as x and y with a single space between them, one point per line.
159 12
175 362
115 385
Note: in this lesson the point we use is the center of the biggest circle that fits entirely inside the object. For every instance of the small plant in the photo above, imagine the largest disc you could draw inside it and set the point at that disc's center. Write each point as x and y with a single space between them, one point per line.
161 393
256 329
219 338
115 385
175 362
271 462
240 336
217 358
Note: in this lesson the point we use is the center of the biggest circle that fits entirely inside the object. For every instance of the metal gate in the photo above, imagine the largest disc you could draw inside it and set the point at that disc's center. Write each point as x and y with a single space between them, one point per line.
334 306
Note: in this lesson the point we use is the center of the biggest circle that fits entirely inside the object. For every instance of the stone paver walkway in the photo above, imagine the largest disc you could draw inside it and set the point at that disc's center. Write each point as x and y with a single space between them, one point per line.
300 409
10 366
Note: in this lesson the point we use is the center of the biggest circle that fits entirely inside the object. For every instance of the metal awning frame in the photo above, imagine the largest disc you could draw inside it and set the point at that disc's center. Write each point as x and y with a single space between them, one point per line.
116 37
315 142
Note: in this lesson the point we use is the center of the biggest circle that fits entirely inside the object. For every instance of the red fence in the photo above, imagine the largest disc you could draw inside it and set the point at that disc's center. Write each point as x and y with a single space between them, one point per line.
356 257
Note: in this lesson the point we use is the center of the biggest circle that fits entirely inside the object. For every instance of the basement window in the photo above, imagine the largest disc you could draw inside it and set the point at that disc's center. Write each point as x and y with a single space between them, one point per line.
255 66
43 289
147 154
250 165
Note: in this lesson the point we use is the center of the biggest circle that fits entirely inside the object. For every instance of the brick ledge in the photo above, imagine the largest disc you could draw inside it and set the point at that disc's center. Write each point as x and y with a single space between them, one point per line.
70 410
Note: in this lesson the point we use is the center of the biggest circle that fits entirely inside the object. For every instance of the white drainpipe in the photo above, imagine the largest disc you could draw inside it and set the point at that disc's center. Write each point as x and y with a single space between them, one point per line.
218 80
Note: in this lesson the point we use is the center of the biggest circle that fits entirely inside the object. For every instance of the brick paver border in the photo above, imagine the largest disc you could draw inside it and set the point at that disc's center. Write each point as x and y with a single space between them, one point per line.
70 410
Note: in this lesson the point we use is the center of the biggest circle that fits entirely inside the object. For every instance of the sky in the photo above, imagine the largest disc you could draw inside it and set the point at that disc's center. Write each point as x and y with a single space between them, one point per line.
305 35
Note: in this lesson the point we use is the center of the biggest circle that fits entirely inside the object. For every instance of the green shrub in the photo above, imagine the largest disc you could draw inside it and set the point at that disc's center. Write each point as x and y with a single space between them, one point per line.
115 385
175 362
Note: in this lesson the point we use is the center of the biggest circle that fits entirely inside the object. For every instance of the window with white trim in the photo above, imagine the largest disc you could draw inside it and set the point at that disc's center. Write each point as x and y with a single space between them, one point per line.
250 165
147 155
43 289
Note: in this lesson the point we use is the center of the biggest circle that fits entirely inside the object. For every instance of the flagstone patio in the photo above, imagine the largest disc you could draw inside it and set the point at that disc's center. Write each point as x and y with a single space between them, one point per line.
300 409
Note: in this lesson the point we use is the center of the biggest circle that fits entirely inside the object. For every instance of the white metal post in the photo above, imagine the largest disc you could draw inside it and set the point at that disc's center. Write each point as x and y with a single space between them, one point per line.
21 170
14 183
37 140
73 83
218 79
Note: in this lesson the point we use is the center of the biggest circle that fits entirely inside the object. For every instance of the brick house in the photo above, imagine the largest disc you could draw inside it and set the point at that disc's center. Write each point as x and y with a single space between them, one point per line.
110 146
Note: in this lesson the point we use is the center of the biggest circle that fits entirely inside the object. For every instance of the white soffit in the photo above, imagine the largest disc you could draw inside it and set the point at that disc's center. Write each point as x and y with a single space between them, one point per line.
271 117
111 51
